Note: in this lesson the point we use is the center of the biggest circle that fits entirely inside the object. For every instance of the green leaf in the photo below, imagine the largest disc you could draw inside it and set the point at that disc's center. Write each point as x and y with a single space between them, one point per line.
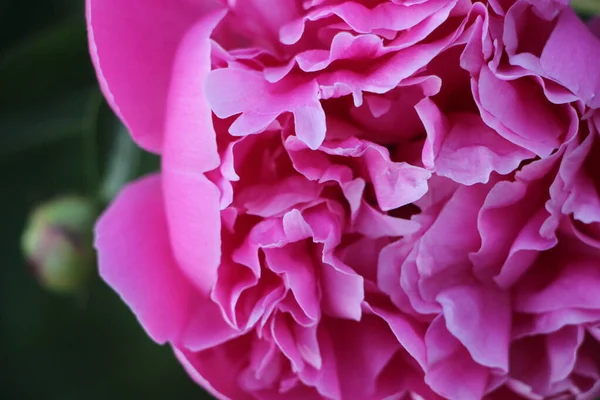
586 7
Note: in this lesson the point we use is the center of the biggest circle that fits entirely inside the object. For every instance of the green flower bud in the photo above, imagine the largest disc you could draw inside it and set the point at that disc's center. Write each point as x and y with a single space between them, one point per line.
57 243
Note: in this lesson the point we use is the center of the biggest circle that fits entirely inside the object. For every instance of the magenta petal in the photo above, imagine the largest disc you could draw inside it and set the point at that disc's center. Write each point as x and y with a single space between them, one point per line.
362 351
441 256
192 207
451 371
360 199
542 362
283 337
510 245
218 368
480 318
518 112
578 176
571 57
140 265
575 286
238 91
193 373
343 291
472 151
410 334
395 183
594 25
274 199
190 140
295 264
562 351
461 147
325 379
555 320
376 224
343 46
190 149
206 328
133 44
308 344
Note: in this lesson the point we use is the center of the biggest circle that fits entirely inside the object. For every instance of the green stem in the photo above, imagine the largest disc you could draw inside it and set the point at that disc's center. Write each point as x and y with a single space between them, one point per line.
123 164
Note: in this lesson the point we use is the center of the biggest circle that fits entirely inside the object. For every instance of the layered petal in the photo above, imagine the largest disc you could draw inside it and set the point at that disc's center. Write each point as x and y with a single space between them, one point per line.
382 199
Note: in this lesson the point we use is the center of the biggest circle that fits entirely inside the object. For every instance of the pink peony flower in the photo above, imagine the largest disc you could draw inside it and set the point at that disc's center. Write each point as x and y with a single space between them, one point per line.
360 199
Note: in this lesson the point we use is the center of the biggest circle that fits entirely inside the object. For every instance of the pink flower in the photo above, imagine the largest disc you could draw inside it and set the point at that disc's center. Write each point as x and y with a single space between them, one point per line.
360 199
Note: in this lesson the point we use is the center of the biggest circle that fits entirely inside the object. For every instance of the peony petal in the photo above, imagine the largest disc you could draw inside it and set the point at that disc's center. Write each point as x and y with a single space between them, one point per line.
217 369
519 112
562 351
342 290
574 286
571 57
140 265
594 25
133 45
344 46
553 321
362 351
190 149
578 175
325 379
359 200
275 199
295 265
480 318
462 148
283 336
364 20
395 183
449 363
206 327
376 224
472 151
234 91
541 362
527 245
410 334
508 244
441 256
192 207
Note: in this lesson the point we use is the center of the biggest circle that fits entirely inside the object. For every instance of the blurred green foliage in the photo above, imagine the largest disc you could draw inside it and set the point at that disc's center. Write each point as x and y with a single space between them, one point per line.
586 8
57 137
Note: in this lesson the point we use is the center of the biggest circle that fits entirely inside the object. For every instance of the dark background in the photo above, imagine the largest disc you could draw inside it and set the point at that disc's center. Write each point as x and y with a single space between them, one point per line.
55 139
